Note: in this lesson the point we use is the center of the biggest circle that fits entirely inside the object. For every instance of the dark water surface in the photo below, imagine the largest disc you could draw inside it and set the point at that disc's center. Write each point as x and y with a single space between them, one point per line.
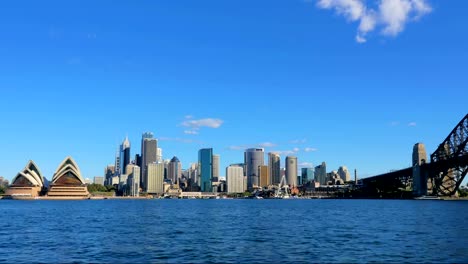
175 231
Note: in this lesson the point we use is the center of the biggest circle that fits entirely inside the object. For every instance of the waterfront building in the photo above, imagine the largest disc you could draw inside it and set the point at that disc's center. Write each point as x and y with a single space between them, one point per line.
124 155
123 187
67 181
155 178
344 174
98 180
149 146
291 170
320 174
205 165
27 183
174 170
235 179
274 167
264 177
307 175
253 158
215 168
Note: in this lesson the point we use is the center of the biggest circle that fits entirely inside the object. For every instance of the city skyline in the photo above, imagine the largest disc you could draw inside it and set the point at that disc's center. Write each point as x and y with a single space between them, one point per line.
253 77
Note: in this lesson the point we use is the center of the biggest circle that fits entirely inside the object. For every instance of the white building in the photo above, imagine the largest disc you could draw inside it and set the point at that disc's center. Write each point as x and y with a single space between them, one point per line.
235 179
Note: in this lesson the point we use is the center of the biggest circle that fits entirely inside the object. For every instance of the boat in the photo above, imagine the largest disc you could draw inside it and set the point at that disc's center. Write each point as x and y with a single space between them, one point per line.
425 197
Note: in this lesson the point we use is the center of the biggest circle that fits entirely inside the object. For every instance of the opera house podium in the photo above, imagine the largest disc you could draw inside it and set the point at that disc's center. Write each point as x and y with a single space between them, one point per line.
67 182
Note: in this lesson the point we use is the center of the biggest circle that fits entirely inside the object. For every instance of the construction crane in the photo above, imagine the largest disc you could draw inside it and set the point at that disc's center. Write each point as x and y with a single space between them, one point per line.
283 191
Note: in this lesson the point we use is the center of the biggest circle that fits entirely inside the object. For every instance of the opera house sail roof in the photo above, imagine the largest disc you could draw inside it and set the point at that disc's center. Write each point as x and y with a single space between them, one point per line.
68 173
29 176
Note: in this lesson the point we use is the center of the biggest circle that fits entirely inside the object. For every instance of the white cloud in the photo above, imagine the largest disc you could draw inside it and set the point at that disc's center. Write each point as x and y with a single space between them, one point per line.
389 15
266 145
241 147
310 149
205 122
394 123
412 124
284 152
306 164
191 132
287 152
188 117
298 141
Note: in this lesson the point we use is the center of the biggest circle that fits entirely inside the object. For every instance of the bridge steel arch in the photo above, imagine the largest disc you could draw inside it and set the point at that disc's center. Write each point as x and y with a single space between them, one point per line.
449 163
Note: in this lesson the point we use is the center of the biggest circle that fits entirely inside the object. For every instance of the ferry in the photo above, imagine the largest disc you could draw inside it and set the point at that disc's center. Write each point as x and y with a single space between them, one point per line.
425 197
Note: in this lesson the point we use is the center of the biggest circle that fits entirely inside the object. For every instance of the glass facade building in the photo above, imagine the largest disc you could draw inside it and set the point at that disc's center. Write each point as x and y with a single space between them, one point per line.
205 168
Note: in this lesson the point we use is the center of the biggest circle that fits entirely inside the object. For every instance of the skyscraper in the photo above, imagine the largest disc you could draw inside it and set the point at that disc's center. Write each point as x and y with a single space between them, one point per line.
174 170
124 155
274 168
205 168
344 174
291 170
215 167
235 179
149 146
264 176
159 156
307 175
133 181
155 178
320 174
253 158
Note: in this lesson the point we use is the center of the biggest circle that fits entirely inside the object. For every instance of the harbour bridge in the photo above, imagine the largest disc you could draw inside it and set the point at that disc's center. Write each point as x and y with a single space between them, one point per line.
442 175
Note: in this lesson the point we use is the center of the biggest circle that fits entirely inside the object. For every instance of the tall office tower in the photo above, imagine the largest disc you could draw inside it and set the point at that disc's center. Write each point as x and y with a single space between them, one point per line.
235 179
192 173
117 167
166 168
149 146
155 178
138 160
215 167
355 176
159 156
307 175
133 181
320 174
264 176
174 171
109 172
274 168
253 158
344 174
291 170
205 168
124 155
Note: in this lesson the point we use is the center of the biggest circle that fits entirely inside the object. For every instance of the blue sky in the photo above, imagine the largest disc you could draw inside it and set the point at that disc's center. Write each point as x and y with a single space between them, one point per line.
348 82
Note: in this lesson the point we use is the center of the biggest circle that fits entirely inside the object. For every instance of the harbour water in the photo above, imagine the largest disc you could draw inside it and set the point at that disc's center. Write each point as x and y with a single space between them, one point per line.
245 231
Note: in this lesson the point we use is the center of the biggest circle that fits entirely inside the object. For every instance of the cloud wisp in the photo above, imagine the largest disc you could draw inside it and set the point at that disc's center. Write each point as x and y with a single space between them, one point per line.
194 125
388 16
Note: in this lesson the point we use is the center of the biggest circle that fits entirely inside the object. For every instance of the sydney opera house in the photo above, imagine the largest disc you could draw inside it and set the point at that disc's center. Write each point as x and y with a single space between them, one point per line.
67 183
